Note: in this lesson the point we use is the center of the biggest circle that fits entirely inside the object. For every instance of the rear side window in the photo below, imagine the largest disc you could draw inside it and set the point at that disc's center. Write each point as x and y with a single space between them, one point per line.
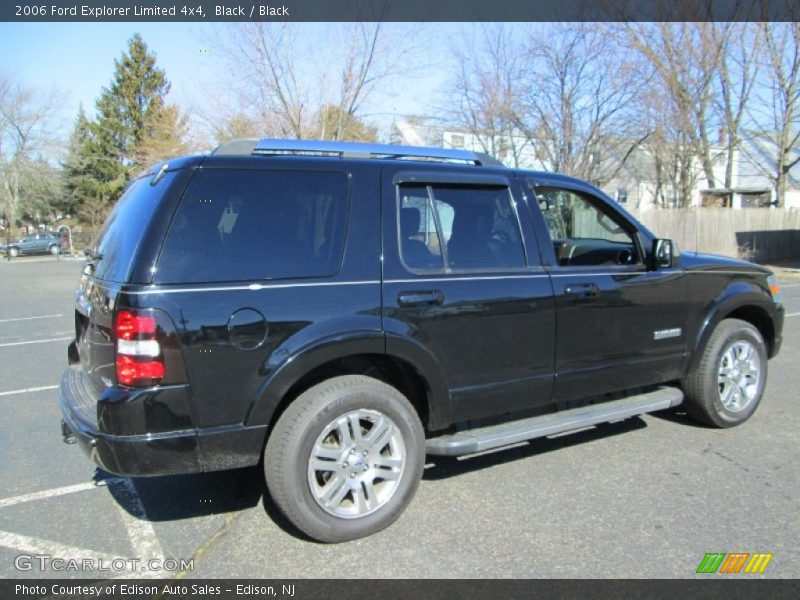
237 225
121 234
459 228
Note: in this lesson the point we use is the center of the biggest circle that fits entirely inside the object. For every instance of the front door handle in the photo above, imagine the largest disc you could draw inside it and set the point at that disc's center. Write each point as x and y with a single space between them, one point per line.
586 290
420 298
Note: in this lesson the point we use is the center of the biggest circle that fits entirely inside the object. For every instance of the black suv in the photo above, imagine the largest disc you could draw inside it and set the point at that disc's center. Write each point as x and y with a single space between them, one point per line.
337 310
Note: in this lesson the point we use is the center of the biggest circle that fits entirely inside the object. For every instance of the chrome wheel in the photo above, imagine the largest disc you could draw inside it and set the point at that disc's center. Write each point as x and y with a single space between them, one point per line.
356 464
739 375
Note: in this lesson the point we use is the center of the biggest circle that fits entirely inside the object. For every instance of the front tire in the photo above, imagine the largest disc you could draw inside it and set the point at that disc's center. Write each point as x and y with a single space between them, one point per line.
54 250
726 386
345 458
13 252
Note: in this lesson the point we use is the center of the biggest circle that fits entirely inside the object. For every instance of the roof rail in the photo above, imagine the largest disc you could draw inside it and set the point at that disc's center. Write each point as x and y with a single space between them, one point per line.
268 146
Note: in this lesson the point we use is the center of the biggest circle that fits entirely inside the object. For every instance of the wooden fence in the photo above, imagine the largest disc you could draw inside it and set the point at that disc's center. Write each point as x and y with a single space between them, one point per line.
759 234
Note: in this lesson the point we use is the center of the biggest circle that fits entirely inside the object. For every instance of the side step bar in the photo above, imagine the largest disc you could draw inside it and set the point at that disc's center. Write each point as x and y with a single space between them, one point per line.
504 434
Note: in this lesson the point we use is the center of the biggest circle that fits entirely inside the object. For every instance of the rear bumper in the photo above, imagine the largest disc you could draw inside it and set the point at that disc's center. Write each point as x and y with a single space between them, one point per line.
147 454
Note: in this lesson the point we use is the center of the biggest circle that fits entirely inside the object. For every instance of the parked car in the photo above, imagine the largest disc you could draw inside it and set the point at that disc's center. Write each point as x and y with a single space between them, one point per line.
40 243
335 311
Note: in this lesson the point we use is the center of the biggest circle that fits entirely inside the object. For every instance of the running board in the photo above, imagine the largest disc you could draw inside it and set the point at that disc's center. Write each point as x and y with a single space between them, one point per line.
504 434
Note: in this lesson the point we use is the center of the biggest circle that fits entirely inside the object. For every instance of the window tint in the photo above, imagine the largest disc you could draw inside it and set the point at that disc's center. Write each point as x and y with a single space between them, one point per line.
460 227
235 225
582 233
418 238
122 232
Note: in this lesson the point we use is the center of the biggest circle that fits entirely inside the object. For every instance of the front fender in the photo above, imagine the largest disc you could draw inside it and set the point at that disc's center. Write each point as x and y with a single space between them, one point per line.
735 296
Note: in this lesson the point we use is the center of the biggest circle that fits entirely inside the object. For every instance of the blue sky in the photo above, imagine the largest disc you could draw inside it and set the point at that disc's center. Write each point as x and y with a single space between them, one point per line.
78 58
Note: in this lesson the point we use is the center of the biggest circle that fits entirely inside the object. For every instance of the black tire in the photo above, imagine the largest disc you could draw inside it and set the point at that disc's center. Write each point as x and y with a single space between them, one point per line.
702 386
299 431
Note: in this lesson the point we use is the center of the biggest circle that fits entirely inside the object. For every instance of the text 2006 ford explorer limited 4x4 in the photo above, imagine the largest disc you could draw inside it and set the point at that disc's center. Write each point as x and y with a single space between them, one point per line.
336 311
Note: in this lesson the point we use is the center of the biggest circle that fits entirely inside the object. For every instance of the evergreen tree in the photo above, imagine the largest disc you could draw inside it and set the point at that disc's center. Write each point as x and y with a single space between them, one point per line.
79 183
134 127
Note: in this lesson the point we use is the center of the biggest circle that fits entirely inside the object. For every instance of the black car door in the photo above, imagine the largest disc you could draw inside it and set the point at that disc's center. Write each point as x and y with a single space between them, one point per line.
460 280
620 324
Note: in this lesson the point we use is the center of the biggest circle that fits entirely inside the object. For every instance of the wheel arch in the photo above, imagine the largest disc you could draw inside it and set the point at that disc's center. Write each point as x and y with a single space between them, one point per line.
743 301
406 368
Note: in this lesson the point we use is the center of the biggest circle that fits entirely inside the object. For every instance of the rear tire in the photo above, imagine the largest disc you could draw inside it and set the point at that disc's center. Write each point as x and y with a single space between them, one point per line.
726 386
54 250
345 458
13 252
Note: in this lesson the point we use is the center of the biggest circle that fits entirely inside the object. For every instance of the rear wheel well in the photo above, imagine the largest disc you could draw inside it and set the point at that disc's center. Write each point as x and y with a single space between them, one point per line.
758 318
392 371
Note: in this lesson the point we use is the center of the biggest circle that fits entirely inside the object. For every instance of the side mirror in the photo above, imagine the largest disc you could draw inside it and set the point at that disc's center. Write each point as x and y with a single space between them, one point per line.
665 254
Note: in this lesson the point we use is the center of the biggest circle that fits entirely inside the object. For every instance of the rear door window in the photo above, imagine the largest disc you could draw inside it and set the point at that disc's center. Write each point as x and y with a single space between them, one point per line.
460 228
239 225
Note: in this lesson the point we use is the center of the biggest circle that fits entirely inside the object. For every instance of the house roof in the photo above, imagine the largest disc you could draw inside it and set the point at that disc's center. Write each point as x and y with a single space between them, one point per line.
762 151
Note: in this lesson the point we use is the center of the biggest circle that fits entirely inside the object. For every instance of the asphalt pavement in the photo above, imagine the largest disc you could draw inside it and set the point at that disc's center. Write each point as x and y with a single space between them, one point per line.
647 497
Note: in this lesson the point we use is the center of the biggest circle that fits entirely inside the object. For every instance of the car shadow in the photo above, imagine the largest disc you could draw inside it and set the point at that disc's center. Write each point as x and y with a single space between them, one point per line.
177 497
443 467
678 415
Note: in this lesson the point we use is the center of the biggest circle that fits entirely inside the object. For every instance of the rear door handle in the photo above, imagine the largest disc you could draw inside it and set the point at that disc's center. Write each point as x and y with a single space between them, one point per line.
420 298
587 290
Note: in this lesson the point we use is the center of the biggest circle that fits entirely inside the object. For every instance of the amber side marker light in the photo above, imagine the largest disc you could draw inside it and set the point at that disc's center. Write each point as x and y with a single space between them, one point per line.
774 288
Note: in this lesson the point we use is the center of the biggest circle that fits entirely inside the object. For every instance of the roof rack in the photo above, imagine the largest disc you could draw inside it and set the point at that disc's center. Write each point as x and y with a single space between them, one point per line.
269 146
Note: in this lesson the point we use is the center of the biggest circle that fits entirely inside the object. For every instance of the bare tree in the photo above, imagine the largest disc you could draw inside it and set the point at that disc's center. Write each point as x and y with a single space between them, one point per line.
26 135
685 58
778 109
577 97
737 72
284 82
482 96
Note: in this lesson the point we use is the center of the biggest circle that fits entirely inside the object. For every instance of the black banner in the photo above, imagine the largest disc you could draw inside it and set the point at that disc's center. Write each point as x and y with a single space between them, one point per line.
399 10
490 589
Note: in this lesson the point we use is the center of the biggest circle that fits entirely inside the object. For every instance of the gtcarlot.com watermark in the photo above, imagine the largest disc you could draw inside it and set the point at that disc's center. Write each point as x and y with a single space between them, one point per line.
47 562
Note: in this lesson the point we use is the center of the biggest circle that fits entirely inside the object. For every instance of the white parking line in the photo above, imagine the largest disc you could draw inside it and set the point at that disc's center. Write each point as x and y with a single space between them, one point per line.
32 545
67 489
28 390
797 314
142 536
140 529
61 339
30 318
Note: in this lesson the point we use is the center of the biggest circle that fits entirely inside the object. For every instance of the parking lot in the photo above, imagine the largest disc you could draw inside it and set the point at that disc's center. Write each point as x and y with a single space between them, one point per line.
647 497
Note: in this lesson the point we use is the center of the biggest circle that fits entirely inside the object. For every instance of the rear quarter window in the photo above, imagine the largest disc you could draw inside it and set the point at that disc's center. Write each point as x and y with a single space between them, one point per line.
240 225
122 233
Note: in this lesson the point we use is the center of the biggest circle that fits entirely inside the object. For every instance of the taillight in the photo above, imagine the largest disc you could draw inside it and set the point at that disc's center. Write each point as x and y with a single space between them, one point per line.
140 361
